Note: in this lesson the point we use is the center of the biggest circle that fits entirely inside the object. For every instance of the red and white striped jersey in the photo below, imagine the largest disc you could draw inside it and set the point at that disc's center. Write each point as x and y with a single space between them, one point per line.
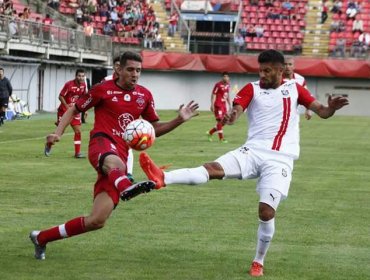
272 115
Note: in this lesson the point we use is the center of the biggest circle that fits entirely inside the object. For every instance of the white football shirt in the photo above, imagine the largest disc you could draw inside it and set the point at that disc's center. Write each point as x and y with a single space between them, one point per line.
273 117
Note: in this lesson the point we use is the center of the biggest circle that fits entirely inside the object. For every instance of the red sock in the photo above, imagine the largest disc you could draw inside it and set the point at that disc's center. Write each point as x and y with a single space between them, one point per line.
69 229
213 130
77 142
220 131
119 179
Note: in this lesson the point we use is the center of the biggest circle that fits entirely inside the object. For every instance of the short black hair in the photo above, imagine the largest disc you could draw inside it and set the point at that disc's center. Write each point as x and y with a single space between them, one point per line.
271 56
116 59
80 70
225 73
130 56
1 68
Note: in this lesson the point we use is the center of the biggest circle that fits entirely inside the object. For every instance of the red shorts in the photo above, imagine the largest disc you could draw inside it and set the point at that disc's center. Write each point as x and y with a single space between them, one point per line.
219 112
75 121
101 146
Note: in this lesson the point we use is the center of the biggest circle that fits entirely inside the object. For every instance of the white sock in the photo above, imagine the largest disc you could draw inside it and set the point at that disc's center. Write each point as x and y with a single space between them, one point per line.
264 236
188 176
130 161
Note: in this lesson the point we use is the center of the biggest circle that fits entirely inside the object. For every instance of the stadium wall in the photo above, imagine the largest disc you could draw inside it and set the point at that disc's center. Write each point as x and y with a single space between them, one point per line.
176 87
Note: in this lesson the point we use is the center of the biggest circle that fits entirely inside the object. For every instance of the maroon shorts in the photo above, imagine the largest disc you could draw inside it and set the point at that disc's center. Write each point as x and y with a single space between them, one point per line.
75 121
219 112
100 147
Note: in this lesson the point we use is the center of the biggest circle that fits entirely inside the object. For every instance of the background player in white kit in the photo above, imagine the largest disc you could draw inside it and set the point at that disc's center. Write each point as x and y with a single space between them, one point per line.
130 158
271 147
289 74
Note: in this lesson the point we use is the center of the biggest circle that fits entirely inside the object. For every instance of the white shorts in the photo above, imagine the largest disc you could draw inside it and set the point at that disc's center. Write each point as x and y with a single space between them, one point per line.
273 170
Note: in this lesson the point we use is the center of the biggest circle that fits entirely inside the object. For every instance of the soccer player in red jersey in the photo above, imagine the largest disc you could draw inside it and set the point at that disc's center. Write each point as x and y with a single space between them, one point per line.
130 157
220 103
270 149
68 96
116 103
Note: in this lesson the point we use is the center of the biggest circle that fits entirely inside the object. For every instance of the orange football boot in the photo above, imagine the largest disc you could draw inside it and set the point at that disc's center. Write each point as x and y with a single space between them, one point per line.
152 171
256 269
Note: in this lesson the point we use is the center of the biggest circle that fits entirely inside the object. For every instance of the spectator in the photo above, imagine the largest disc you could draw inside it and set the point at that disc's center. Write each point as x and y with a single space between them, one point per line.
337 7
158 43
13 28
364 38
253 2
37 28
251 31
340 48
352 10
6 91
324 11
357 25
114 15
47 22
88 31
243 30
108 28
238 43
78 15
337 26
259 31
287 8
358 49
269 3
173 23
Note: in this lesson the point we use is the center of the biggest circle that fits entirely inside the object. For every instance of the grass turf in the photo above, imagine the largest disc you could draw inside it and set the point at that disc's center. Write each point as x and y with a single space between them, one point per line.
188 232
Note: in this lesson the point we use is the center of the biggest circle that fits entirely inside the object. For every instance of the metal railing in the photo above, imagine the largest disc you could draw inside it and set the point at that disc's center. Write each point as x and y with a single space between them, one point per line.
38 34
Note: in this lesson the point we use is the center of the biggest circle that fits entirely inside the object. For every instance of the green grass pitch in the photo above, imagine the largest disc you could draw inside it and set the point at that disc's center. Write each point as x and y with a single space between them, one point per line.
188 232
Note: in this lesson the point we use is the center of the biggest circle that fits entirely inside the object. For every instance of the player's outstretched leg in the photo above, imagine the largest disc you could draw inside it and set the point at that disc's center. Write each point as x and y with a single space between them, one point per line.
136 189
152 171
39 250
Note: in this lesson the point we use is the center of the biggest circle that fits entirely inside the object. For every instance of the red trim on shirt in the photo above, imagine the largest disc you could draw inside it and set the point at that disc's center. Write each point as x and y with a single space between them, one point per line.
284 124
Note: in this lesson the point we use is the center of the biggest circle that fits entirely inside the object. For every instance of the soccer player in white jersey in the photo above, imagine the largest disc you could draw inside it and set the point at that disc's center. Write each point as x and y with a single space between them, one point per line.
268 154
130 158
289 74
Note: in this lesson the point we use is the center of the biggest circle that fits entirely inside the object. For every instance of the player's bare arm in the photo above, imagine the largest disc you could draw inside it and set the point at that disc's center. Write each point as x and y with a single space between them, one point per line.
186 112
213 98
231 117
64 122
63 101
334 104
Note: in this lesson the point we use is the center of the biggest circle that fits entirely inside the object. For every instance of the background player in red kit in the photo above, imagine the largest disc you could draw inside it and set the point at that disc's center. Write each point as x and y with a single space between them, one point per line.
68 96
220 103
116 103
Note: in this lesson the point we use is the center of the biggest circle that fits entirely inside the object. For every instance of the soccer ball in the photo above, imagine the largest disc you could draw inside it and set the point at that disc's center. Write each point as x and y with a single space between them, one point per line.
139 134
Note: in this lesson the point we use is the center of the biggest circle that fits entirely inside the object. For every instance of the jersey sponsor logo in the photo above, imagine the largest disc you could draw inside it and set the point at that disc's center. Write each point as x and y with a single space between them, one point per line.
127 97
140 102
264 92
137 93
285 92
86 103
123 121
110 92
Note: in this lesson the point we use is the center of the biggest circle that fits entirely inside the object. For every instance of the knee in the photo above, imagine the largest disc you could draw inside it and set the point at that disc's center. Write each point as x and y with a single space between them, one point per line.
266 212
94 223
